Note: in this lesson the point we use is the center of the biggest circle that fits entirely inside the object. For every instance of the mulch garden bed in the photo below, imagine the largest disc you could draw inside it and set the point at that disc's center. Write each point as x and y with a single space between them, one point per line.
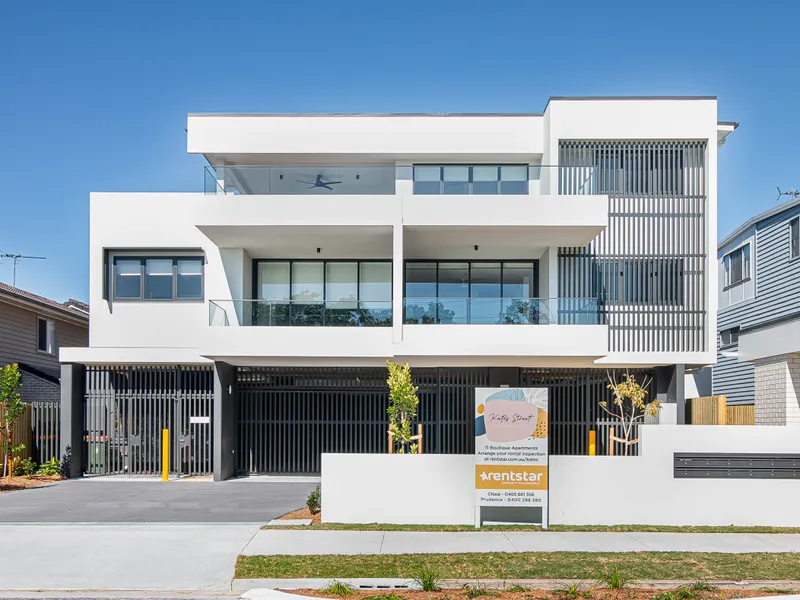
683 593
24 482
302 513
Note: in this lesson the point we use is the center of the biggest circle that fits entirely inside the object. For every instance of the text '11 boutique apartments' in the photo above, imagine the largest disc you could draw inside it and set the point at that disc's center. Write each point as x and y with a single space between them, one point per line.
254 319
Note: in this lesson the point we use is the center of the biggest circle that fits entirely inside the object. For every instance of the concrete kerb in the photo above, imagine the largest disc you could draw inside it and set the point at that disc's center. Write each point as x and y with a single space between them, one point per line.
255 586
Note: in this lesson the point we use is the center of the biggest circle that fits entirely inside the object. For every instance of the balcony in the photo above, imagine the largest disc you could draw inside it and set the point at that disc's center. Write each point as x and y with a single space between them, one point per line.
264 332
502 311
423 179
292 181
299 313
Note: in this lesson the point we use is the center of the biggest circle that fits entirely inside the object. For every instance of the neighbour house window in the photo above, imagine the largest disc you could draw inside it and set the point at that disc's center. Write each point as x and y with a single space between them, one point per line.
736 265
46 336
729 337
159 278
467 179
794 237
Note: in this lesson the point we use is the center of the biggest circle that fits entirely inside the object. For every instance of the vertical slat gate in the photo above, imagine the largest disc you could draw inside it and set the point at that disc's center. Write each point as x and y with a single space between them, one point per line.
125 409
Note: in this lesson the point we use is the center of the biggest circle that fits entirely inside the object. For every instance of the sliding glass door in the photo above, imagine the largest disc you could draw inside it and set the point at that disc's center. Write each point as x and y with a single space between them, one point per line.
475 293
323 293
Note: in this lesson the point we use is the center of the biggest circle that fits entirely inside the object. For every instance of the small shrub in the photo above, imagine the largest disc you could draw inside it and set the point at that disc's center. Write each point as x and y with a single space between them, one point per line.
686 593
386 596
477 591
518 588
613 579
338 588
664 596
571 591
314 502
51 467
702 586
26 466
428 579
66 462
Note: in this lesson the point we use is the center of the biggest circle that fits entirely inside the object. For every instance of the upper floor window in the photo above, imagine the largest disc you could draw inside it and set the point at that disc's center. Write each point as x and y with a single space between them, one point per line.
729 337
164 278
46 335
736 265
794 237
641 281
466 179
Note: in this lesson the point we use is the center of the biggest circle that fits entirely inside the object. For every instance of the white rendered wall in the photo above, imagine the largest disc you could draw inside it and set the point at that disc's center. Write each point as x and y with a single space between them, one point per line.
366 136
584 490
426 489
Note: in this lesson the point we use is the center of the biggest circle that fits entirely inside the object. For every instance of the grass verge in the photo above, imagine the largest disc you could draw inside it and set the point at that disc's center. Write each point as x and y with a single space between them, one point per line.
529 565
617 528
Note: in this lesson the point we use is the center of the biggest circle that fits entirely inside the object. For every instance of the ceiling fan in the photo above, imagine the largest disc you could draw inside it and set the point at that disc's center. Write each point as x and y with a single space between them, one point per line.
319 183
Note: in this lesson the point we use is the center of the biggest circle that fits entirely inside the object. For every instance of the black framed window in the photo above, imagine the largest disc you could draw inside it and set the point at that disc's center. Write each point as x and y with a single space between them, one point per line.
471 179
46 336
729 337
471 292
794 237
322 293
157 278
645 281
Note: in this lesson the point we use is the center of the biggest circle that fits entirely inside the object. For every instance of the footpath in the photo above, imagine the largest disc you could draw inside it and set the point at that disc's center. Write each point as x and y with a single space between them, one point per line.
294 542
200 557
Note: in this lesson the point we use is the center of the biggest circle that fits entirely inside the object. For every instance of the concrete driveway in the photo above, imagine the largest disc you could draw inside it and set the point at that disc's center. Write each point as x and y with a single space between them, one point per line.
146 501
103 534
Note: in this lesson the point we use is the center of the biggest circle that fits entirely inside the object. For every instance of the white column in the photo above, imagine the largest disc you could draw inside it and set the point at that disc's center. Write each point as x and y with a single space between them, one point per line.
548 273
397 283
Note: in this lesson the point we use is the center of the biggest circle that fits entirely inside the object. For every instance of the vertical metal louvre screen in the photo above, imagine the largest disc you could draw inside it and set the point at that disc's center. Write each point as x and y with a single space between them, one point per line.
648 268
126 409
289 417
574 397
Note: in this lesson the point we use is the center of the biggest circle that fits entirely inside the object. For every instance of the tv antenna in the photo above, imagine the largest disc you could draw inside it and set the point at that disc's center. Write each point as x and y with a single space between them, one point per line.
791 192
16 257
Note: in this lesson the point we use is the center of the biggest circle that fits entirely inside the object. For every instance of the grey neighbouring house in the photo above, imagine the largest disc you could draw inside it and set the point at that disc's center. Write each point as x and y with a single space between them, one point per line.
32 330
758 355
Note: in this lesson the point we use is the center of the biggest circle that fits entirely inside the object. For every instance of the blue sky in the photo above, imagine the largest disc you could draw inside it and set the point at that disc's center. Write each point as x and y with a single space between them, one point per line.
94 95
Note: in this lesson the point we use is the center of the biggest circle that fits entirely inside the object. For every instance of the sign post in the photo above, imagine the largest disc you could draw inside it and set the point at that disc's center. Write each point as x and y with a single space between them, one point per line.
511 453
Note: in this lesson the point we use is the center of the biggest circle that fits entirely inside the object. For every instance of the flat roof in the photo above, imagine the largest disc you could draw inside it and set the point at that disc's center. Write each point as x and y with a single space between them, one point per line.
340 114
450 114
763 216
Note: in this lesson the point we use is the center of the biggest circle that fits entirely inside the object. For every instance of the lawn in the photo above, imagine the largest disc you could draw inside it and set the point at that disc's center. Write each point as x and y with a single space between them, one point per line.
529 565
616 528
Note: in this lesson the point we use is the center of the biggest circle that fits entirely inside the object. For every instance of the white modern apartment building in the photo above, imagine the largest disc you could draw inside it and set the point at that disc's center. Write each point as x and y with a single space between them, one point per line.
254 319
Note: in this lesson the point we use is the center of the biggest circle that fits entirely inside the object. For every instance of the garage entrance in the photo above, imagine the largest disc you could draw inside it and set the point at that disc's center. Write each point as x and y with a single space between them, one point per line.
126 409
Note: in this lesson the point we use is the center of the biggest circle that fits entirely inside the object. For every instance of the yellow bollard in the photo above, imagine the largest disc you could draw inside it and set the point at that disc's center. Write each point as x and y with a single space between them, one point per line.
165 455
592 442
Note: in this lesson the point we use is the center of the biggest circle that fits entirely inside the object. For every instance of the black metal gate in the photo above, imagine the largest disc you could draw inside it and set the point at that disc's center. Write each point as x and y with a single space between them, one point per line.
289 417
574 403
126 409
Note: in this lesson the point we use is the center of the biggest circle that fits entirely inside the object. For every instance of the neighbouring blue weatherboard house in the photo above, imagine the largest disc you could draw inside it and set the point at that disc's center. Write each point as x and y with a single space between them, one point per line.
758 345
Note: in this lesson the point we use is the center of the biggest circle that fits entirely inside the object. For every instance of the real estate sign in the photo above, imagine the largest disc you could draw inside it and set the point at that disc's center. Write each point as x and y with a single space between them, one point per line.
511 455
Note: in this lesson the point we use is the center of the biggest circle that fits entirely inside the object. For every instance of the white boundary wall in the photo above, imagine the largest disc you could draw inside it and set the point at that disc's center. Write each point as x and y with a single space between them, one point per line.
584 490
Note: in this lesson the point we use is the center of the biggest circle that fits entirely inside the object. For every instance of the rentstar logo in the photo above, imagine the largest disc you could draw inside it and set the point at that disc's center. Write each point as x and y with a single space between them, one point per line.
518 476
511 476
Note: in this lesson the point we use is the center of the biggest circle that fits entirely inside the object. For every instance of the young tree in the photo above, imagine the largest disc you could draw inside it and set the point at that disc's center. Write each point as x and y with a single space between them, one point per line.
629 404
11 409
403 402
